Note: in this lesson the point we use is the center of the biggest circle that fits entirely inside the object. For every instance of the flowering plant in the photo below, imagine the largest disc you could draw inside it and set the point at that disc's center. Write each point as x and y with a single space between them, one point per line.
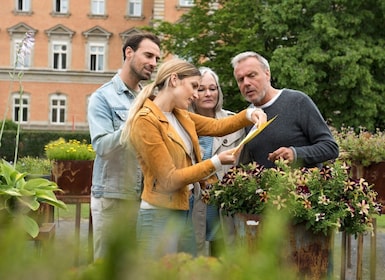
323 199
72 149
24 48
21 197
34 166
362 147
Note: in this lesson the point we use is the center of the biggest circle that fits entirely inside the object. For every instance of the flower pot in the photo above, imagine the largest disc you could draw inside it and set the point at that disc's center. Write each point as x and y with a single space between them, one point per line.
246 230
42 215
375 174
309 252
74 177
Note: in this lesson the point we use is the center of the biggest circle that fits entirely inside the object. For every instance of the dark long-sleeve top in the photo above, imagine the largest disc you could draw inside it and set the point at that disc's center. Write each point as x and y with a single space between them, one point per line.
299 125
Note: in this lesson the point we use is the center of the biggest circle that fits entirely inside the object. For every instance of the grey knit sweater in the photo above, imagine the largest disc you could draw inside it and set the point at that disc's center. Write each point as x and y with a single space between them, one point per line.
299 125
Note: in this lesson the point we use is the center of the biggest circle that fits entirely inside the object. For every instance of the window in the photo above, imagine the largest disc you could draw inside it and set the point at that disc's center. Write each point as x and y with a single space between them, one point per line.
134 8
96 48
96 58
59 56
20 106
61 6
97 7
58 109
60 48
23 5
25 62
186 3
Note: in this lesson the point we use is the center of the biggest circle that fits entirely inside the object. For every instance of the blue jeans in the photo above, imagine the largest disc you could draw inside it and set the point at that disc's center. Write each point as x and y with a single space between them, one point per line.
165 231
212 223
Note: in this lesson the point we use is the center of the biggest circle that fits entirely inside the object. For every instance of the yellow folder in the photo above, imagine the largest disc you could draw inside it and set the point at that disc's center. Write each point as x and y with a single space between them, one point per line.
254 131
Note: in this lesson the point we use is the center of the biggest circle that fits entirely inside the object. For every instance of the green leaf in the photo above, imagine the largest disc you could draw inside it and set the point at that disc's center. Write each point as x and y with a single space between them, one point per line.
29 225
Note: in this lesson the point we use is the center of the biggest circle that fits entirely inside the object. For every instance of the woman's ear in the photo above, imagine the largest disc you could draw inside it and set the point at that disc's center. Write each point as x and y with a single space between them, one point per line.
173 80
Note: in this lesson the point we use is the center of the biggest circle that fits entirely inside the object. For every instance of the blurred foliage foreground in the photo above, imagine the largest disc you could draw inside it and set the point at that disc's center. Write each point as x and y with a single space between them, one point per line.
19 259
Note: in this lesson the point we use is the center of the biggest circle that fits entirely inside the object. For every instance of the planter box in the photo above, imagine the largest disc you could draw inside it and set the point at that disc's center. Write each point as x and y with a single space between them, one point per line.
374 174
74 177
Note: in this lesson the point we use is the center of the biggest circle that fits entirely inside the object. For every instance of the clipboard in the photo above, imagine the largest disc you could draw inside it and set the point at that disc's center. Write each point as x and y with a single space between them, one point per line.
254 131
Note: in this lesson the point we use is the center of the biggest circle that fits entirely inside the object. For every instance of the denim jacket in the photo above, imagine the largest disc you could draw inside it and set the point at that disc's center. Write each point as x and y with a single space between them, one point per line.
116 172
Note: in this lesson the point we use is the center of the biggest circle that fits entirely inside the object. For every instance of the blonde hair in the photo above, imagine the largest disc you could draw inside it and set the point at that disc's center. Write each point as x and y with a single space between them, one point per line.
176 66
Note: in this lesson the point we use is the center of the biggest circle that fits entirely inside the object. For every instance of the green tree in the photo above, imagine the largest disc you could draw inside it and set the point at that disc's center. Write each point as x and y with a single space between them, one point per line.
332 50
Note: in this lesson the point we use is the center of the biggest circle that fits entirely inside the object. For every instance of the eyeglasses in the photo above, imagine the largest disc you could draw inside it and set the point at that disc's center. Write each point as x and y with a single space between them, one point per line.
210 89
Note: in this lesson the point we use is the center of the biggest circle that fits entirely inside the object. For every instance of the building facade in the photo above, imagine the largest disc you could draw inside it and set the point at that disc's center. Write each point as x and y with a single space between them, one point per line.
78 47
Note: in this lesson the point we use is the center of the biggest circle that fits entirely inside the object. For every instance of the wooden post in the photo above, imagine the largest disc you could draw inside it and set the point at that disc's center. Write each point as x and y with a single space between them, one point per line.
360 245
373 253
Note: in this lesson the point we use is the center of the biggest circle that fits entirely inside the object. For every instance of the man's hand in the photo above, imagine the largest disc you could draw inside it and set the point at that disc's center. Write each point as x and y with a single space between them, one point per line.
283 152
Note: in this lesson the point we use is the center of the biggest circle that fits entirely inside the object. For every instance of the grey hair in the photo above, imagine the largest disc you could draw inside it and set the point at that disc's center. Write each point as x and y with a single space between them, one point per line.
211 72
242 56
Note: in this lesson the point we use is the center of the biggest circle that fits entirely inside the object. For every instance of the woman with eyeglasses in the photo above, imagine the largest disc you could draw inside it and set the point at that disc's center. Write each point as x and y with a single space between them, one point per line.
206 218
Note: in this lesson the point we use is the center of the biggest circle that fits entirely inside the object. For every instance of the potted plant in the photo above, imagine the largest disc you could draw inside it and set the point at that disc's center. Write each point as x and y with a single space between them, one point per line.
72 165
20 198
324 199
362 147
34 166
365 151
317 201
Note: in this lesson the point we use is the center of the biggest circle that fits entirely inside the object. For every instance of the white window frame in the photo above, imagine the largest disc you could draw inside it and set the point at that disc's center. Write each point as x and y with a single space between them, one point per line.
24 107
134 8
60 52
100 56
59 110
98 7
61 6
23 5
186 3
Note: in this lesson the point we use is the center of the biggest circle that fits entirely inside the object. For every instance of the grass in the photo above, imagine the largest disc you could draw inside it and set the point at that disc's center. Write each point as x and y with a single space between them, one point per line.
381 223
71 211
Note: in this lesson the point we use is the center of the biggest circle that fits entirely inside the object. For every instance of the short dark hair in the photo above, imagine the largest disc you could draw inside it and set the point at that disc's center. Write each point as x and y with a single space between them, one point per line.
134 40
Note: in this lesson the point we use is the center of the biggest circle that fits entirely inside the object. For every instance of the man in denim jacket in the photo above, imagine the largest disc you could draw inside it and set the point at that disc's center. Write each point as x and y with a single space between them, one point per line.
116 180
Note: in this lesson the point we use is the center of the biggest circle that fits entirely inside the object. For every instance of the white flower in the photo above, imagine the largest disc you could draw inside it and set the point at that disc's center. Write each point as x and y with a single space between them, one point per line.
23 49
319 216
25 46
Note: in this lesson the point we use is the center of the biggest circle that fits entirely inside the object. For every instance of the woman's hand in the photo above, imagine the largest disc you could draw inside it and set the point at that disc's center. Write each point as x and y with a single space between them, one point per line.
258 117
229 157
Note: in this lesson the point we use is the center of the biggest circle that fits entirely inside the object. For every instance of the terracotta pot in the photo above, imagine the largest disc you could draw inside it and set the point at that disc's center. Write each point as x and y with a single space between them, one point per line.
74 177
309 253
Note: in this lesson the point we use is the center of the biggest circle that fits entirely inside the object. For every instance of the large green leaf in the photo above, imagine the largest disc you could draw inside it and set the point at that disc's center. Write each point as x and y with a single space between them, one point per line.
29 225
28 201
40 183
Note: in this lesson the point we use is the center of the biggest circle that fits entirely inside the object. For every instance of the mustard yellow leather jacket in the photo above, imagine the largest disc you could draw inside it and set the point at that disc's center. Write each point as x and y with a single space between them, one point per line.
166 165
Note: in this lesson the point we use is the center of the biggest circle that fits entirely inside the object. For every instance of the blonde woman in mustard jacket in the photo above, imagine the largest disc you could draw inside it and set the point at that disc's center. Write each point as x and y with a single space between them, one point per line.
165 137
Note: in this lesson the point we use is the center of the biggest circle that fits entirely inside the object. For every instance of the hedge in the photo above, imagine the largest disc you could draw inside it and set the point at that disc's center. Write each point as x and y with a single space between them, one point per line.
32 142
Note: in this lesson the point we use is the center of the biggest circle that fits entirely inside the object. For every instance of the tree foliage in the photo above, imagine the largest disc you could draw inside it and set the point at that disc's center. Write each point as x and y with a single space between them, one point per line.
332 50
